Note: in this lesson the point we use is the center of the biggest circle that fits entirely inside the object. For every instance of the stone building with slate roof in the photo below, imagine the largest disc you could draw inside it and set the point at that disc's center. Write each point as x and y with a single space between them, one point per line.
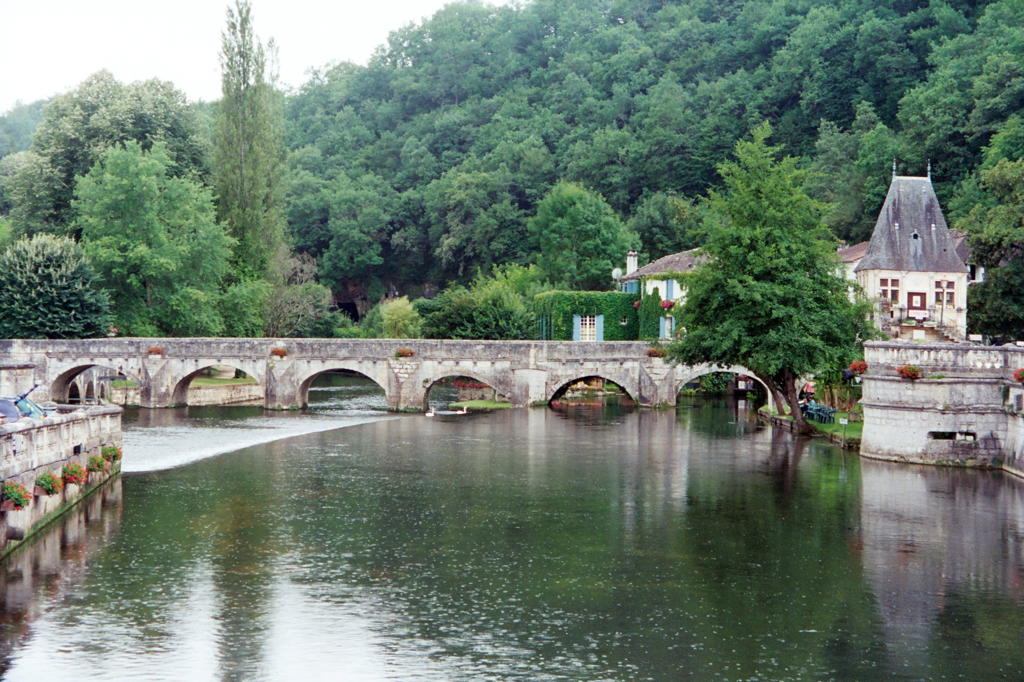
912 268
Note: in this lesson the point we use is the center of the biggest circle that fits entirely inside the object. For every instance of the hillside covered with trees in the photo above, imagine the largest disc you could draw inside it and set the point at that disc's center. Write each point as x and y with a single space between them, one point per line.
432 163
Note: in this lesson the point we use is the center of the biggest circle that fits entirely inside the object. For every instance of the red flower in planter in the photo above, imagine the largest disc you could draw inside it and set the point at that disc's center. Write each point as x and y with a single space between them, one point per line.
278 352
636 304
858 366
655 352
666 304
1018 376
909 372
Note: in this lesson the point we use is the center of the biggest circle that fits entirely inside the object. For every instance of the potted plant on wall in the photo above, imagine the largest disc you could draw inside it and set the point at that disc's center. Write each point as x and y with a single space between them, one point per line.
1018 376
49 484
15 496
909 372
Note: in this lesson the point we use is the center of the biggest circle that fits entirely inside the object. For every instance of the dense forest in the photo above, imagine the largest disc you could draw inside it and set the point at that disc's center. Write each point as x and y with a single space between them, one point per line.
428 165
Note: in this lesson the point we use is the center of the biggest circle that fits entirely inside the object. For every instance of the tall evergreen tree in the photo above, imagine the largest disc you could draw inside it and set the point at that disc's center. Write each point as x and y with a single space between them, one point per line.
248 156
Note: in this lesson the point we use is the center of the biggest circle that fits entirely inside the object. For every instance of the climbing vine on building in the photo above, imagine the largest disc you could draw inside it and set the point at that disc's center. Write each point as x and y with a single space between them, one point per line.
555 310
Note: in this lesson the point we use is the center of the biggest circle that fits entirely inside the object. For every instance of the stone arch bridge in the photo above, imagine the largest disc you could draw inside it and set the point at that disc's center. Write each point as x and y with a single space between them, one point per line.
526 372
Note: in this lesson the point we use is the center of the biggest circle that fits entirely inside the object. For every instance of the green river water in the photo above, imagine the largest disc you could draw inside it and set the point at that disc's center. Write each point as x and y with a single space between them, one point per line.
590 543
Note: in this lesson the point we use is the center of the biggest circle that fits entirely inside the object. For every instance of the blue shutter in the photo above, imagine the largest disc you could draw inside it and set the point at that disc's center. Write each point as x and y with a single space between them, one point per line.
634 287
669 294
575 327
661 327
599 327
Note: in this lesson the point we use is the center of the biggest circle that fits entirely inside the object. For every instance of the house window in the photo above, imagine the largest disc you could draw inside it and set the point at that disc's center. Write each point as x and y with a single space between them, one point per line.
666 326
945 292
889 289
588 327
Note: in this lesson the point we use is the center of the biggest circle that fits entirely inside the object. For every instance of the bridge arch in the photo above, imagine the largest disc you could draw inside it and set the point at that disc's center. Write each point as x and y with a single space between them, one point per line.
302 394
64 387
461 373
558 387
179 394
693 372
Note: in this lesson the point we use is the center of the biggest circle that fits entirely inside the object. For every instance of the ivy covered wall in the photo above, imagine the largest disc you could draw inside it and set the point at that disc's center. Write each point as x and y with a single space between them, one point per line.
555 310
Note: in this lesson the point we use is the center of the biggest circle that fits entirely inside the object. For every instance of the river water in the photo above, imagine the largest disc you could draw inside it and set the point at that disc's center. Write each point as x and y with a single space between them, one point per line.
591 543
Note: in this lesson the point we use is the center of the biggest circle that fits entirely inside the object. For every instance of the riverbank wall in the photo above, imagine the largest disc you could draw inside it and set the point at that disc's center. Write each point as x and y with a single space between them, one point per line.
86 437
224 394
966 409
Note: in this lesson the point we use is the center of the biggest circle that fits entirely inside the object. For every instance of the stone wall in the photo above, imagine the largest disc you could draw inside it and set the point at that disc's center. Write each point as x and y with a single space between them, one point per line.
960 412
32 447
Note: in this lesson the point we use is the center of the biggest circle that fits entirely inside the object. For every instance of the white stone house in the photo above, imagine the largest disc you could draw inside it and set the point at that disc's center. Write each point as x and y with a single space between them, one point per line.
911 266
658 276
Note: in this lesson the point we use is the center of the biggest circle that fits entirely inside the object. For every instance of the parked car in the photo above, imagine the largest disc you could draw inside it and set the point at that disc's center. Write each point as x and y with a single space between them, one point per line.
14 408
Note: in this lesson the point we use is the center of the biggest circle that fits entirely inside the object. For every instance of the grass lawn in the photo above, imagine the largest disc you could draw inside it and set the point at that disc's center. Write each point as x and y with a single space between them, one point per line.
854 430
210 381
482 404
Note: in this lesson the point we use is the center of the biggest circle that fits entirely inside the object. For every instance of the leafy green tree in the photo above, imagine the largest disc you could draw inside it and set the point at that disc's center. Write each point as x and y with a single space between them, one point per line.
665 223
495 307
851 171
399 319
995 307
771 296
248 153
578 237
996 227
48 290
154 241
243 307
79 126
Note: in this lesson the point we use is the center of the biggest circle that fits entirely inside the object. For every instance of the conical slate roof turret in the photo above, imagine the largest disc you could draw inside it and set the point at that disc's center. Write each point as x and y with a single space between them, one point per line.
910 233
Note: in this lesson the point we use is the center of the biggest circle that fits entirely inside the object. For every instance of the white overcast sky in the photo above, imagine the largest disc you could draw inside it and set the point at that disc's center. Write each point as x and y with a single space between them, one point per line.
50 46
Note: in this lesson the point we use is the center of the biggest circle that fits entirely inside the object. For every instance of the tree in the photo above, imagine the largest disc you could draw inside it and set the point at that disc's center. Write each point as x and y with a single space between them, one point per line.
248 154
155 242
399 320
665 223
49 291
578 238
496 307
79 126
771 296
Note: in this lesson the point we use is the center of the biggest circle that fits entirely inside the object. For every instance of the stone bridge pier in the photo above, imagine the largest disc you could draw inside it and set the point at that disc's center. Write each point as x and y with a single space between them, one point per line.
526 372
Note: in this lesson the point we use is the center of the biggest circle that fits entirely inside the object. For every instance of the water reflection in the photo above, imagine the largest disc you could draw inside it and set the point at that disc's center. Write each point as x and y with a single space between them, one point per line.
536 544
44 573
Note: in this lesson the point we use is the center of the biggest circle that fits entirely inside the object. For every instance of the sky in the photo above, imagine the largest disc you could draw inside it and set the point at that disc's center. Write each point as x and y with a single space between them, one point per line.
50 46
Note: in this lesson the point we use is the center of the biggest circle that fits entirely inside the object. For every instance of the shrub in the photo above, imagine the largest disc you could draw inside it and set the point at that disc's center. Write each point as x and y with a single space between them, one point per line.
97 463
50 484
858 366
1018 376
17 494
73 474
278 352
404 353
909 372
399 319
49 291
111 453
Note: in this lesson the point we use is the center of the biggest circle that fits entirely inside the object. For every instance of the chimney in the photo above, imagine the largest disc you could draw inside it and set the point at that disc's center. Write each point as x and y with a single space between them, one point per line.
631 262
